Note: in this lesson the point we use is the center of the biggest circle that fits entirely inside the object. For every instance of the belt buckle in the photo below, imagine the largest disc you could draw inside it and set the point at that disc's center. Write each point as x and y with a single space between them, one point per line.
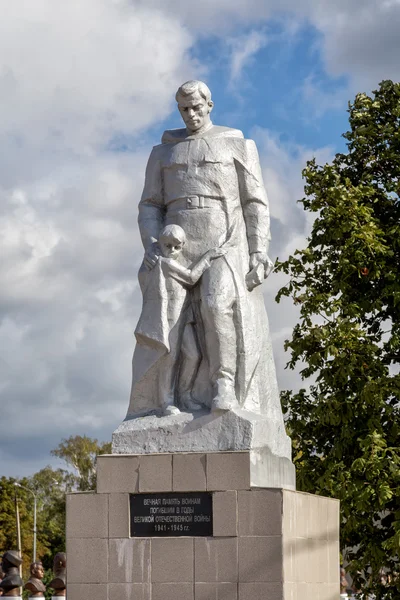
193 202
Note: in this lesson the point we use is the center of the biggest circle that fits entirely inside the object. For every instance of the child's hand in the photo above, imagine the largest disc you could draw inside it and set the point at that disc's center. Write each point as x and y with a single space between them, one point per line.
215 253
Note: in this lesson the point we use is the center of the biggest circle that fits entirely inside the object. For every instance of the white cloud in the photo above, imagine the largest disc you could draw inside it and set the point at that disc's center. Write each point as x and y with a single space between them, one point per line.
322 101
243 49
75 75
359 39
69 298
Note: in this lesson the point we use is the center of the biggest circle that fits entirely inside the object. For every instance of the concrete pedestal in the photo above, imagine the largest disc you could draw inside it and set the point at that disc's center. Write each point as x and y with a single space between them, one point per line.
262 439
267 544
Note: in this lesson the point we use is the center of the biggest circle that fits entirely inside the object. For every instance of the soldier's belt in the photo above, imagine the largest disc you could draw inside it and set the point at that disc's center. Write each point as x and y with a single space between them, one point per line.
194 202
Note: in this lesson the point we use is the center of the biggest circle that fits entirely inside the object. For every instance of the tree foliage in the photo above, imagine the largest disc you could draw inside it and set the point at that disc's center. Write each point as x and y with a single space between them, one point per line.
79 452
346 282
50 486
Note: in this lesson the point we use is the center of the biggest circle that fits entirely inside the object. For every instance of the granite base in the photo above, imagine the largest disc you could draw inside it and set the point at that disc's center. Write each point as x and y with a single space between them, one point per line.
267 544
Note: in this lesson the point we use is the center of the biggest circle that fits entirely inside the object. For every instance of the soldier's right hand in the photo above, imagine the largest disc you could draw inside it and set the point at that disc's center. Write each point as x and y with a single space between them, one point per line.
151 255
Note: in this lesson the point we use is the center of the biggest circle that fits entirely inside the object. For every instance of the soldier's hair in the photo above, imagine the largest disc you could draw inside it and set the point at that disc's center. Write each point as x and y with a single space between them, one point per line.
174 232
35 565
191 87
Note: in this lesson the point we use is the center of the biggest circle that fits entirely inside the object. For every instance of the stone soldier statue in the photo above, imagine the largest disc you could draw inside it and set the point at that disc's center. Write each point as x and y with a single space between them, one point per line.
207 179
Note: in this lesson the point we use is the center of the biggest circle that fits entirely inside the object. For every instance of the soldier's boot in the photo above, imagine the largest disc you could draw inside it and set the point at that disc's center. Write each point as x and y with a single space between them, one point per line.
189 402
225 396
169 407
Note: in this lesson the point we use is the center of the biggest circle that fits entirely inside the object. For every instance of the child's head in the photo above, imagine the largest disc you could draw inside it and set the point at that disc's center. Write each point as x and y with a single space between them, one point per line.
171 240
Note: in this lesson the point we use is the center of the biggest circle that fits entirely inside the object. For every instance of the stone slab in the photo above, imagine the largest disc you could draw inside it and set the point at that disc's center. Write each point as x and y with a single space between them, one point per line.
172 560
213 471
228 471
87 560
155 473
235 431
201 432
129 561
189 472
117 474
127 591
260 559
260 512
172 591
86 591
262 591
87 515
225 514
216 560
215 591
118 516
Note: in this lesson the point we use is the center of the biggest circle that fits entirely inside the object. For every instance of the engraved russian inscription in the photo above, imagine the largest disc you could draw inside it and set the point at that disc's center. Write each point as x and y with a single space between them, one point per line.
171 514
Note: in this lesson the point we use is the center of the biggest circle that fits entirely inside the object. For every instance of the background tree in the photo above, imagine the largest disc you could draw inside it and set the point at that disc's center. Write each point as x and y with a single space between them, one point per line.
50 486
8 531
345 426
79 452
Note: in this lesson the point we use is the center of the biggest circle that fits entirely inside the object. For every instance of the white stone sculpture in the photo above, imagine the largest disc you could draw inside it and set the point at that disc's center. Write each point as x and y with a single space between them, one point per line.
203 356
165 332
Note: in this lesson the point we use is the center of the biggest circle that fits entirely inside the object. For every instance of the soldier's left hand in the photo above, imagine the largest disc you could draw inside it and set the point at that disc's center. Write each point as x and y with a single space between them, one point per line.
263 258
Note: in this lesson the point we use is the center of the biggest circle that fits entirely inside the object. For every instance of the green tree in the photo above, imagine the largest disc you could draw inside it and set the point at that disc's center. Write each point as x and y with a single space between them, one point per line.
79 452
345 426
8 530
50 486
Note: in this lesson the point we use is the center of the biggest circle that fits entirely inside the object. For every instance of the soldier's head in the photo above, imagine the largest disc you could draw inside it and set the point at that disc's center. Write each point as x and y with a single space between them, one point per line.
37 569
194 104
171 240
59 562
10 559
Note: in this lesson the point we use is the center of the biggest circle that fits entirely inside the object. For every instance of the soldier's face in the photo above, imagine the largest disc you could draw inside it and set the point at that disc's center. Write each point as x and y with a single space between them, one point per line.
38 571
195 111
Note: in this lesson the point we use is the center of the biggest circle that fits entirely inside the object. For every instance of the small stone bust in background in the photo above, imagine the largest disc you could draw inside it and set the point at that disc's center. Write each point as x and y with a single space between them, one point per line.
12 581
35 584
58 583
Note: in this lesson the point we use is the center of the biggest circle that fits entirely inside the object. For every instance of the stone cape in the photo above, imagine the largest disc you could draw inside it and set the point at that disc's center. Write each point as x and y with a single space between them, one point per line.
256 385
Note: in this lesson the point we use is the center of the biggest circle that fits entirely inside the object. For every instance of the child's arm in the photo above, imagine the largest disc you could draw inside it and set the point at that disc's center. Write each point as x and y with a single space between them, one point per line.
177 271
204 263
191 276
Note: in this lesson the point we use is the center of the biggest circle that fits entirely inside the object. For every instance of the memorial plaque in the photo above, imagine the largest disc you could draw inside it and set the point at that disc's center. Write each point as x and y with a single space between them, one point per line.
171 514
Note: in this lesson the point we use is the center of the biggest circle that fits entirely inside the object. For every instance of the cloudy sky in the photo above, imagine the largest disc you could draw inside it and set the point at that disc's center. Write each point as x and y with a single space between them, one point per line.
86 88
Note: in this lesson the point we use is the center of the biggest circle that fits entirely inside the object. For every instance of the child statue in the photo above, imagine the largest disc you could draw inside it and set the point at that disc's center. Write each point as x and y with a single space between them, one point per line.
167 320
